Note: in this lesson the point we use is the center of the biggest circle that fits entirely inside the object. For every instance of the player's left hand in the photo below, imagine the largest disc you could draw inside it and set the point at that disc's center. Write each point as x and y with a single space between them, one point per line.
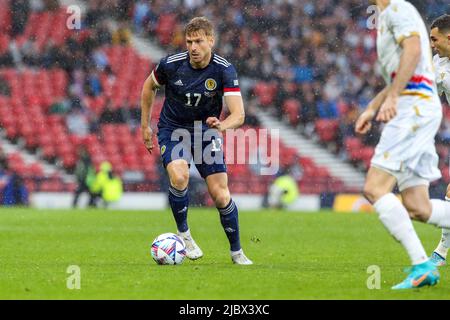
388 109
213 122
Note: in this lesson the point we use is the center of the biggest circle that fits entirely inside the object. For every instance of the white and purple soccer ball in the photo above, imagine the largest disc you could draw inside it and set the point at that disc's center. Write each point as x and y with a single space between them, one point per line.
168 248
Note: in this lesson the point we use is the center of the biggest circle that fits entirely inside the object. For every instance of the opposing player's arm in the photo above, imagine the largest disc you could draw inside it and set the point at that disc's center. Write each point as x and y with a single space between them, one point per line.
408 63
147 98
364 122
409 60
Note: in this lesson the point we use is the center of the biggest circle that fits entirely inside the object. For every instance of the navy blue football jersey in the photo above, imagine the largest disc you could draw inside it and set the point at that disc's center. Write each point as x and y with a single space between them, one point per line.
193 94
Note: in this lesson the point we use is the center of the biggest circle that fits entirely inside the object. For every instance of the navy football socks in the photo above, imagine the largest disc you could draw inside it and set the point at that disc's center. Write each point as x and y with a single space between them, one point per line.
230 224
179 202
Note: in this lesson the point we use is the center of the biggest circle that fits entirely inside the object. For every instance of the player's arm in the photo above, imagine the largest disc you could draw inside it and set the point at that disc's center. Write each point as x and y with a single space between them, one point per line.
364 122
236 117
147 98
233 100
409 60
408 63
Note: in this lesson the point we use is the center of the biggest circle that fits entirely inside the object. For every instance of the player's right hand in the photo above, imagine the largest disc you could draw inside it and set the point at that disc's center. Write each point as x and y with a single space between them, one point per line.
447 195
364 122
147 136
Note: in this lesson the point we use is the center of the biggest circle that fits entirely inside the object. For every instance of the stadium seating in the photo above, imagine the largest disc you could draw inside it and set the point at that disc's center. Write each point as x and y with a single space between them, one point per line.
25 115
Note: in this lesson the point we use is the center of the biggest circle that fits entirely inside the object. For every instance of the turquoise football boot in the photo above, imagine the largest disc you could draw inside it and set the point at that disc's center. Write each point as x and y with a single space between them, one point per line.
424 274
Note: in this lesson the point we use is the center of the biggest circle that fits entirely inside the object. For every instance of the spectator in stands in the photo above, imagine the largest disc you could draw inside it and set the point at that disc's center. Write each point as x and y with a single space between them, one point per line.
110 115
3 161
6 57
285 91
106 186
20 10
327 108
60 105
93 83
122 35
282 192
77 122
85 175
303 71
141 12
308 112
250 115
100 59
14 192
5 89
29 52
50 55
103 34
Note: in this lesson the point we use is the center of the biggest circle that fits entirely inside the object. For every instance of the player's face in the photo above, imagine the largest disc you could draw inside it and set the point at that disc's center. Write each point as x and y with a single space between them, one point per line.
440 42
199 46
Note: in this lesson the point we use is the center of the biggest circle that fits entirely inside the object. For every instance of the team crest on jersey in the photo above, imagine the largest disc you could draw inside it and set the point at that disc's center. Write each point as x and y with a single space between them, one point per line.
210 84
163 149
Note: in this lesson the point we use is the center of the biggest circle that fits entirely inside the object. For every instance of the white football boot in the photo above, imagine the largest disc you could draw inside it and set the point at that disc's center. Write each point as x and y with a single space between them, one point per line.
193 251
238 257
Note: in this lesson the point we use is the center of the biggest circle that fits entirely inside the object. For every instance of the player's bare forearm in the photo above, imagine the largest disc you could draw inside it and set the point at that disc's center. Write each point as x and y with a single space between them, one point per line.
376 102
147 98
408 63
233 121
237 113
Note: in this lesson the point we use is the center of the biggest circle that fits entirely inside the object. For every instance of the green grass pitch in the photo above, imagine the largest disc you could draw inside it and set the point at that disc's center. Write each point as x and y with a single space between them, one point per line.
297 256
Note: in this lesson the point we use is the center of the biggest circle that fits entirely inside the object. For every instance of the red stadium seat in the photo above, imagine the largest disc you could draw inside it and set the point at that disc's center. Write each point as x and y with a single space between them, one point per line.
265 92
327 130
291 109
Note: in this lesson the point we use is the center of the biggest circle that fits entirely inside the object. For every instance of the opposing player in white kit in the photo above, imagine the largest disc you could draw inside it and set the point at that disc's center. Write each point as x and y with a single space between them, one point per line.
405 154
440 42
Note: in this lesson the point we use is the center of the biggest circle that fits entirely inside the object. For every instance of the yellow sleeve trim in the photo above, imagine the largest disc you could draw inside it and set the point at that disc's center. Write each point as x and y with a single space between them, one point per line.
411 34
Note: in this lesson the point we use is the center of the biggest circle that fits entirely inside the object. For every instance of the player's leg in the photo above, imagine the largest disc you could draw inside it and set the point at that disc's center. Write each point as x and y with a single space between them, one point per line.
178 171
439 255
218 189
436 212
175 157
395 217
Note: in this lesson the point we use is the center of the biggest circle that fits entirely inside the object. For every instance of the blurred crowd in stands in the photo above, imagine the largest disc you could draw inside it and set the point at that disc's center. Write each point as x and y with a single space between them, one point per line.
302 60
82 55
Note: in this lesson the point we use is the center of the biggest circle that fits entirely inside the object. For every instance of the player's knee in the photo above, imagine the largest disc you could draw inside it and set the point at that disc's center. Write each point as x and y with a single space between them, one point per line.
221 197
179 180
420 212
371 193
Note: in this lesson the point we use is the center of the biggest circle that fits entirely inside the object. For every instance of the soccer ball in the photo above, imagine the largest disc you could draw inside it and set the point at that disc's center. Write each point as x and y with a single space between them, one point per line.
168 248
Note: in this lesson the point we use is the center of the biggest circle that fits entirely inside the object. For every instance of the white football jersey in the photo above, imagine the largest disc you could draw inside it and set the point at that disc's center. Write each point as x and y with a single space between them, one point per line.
442 68
398 21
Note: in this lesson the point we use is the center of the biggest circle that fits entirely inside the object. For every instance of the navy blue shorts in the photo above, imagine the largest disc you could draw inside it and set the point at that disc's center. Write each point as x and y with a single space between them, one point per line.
207 155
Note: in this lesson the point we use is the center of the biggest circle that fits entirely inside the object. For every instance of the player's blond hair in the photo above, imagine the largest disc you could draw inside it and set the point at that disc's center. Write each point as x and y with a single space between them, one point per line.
199 24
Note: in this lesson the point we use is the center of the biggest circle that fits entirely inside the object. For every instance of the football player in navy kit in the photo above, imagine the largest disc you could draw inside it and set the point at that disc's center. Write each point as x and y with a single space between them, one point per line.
195 83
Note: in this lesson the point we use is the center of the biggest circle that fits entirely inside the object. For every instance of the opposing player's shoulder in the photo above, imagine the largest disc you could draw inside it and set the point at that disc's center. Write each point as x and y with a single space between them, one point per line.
221 62
438 61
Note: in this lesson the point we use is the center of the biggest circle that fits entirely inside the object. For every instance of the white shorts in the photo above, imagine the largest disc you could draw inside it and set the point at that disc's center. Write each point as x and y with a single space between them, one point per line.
407 148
